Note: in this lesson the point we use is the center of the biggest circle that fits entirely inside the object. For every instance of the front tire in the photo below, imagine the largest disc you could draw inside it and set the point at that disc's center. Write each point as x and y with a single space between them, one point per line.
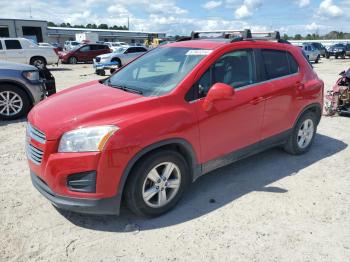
38 62
72 60
302 135
157 183
14 102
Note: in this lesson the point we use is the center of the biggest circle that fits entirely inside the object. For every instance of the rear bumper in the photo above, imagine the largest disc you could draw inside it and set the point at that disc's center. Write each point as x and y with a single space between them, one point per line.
105 206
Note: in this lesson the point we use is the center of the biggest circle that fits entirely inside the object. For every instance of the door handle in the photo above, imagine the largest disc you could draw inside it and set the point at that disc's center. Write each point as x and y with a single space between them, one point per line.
256 100
299 86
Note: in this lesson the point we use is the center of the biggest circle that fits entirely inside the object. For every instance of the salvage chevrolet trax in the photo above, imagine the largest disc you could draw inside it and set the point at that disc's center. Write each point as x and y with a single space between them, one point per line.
141 136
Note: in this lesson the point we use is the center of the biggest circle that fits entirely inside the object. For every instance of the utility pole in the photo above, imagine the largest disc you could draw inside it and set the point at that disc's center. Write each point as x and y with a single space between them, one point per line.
128 24
30 11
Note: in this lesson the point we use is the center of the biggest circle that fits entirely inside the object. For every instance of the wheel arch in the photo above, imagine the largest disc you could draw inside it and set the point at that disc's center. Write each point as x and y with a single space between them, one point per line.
19 85
315 108
177 144
37 56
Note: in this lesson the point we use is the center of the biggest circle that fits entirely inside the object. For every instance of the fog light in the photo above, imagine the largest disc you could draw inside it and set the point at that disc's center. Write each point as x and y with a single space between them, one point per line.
82 182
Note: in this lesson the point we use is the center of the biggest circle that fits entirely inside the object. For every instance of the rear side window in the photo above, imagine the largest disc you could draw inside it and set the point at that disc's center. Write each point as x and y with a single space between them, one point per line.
293 65
0 45
131 50
278 63
13 44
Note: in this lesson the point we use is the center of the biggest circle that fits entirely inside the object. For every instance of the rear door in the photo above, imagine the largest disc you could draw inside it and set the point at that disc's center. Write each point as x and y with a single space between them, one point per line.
2 51
99 50
281 70
14 51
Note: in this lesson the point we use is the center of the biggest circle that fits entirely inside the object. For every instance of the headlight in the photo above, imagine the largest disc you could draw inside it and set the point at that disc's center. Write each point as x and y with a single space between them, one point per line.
88 139
32 76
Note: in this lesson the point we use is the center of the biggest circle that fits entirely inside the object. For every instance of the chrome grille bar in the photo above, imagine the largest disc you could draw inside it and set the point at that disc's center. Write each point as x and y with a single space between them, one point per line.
36 134
34 154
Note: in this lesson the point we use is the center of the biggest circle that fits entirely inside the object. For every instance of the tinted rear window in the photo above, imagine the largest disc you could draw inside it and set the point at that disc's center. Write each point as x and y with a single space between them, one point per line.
276 63
13 44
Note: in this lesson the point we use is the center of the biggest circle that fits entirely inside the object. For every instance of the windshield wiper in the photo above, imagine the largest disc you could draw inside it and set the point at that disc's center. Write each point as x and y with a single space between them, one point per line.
127 89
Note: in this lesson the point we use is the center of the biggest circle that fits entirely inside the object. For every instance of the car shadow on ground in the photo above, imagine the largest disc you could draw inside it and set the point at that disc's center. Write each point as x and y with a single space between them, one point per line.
12 122
220 187
56 69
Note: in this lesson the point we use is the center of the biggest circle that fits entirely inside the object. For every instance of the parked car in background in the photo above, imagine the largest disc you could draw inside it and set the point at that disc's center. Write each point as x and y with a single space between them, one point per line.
47 45
115 45
320 47
84 53
22 50
21 87
178 112
118 58
339 50
311 52
69 45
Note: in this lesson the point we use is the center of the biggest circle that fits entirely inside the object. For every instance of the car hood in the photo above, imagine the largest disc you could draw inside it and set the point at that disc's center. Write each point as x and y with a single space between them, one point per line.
84 105
108 55
16 66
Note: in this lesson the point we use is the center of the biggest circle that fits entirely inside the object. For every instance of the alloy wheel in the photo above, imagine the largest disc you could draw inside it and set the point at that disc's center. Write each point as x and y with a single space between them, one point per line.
10 103
161 184
305 133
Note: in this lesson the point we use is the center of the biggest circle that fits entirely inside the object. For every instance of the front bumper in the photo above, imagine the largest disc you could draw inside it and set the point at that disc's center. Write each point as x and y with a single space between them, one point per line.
105 206
335 53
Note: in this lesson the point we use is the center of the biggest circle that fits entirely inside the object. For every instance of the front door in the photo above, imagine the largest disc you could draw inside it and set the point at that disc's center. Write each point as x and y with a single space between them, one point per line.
231 126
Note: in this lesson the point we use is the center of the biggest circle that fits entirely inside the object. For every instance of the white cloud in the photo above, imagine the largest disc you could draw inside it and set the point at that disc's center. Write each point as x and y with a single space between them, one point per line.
328 9
118 10
247 8
303 3
312 27
211 5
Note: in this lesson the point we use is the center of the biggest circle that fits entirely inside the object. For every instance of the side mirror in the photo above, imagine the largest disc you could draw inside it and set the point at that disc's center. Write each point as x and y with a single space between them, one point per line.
218 91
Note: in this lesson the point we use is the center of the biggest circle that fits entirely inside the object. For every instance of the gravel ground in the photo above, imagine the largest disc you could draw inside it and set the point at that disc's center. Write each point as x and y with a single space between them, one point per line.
269 207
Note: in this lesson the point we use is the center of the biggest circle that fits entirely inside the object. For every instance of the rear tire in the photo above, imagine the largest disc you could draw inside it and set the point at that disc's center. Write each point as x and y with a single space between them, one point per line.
14 102
302 135
150 190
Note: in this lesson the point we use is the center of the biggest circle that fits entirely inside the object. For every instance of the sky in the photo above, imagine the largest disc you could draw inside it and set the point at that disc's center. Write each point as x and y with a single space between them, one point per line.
182 16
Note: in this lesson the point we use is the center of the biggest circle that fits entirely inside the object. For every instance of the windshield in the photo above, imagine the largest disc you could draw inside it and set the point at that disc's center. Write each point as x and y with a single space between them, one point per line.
159 71
338 45
74 43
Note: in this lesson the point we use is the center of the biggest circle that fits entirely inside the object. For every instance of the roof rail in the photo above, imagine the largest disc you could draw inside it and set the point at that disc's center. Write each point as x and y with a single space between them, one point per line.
238 35
228 34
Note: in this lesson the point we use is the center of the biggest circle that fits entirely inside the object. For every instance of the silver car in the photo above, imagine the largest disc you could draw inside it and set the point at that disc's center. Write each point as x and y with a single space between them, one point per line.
20 88
118 58
311 52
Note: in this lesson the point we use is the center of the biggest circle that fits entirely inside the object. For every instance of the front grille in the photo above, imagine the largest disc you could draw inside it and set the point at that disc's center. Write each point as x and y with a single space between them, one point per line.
34 154
98 59
36 134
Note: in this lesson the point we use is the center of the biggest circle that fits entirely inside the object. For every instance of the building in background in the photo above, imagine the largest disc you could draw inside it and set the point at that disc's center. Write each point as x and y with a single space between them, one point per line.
38 31
35 30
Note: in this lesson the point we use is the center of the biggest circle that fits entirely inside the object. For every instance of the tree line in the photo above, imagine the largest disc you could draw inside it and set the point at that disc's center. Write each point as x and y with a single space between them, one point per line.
89 26
330 35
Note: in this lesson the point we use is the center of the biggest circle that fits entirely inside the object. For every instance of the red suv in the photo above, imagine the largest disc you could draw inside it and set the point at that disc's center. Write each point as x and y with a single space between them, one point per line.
84 53
180 111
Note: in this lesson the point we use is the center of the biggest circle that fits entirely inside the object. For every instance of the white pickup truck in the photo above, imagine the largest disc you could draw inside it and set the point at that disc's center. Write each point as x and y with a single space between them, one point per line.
24 51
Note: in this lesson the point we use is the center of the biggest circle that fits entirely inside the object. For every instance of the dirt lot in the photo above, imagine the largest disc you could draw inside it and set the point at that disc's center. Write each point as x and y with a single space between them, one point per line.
269 207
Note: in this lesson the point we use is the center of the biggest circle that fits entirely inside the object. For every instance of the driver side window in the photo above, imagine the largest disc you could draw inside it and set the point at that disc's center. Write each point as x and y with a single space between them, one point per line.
236 69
